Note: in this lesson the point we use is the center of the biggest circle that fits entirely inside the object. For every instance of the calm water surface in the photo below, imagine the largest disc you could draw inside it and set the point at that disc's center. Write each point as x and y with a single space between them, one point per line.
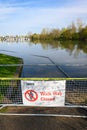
71 57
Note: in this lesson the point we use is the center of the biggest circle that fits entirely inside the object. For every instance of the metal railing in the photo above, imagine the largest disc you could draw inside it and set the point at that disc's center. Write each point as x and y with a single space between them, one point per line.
75 93
75 98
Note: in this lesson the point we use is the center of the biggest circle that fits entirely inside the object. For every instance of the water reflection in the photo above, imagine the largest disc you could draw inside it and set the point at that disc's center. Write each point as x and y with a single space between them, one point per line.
71 56
72 47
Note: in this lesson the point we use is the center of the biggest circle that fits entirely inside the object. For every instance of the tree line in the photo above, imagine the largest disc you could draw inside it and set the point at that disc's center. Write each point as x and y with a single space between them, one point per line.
73 32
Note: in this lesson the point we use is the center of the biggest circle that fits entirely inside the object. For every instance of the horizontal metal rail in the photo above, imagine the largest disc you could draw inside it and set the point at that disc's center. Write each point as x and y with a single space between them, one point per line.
41 79
70 65
26 64
21 105
44 64
45 115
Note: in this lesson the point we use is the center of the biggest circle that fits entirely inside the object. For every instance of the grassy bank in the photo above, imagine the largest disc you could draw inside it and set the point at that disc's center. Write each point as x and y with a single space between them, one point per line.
9 71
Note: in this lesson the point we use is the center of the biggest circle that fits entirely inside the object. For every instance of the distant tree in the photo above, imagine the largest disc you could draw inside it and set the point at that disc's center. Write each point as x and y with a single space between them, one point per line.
75 36
34 36
55 33
83 34
72 32
79 25
73 28
45 33
67 34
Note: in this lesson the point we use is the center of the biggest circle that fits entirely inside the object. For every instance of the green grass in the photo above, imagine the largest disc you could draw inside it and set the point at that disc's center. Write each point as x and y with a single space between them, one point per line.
8 71
6 59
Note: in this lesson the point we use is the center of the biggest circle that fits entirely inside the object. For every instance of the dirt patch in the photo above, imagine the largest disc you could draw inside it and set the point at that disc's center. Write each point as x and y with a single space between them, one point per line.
43 123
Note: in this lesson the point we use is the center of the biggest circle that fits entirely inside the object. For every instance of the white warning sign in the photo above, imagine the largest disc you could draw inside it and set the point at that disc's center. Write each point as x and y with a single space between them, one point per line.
43 93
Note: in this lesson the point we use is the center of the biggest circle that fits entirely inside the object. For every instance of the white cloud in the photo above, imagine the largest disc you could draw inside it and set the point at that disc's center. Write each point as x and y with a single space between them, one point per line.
5 12
21 19
49 16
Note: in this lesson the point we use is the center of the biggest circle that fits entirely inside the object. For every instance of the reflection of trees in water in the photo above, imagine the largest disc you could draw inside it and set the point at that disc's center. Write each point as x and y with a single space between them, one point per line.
72 47
83 46
47 44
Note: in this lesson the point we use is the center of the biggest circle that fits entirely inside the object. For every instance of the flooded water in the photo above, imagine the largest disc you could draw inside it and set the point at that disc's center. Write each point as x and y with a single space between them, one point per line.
53 59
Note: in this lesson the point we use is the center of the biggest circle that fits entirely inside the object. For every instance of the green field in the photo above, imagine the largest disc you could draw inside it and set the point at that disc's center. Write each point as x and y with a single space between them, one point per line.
9 71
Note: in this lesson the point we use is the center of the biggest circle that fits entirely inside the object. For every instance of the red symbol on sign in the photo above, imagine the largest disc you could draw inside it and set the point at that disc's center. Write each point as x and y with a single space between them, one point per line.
31 95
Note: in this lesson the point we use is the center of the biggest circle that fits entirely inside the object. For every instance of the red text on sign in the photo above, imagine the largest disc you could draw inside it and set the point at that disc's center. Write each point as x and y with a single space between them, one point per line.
47 99
45 93
57 93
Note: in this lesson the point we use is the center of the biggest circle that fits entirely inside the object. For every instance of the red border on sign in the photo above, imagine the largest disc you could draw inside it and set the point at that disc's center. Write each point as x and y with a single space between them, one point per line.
33 99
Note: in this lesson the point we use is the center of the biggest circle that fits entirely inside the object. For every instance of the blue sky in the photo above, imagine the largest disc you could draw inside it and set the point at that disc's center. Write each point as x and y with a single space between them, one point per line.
23 16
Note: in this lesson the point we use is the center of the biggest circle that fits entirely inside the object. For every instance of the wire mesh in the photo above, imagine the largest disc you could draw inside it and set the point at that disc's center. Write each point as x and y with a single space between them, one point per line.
10 92
75 94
